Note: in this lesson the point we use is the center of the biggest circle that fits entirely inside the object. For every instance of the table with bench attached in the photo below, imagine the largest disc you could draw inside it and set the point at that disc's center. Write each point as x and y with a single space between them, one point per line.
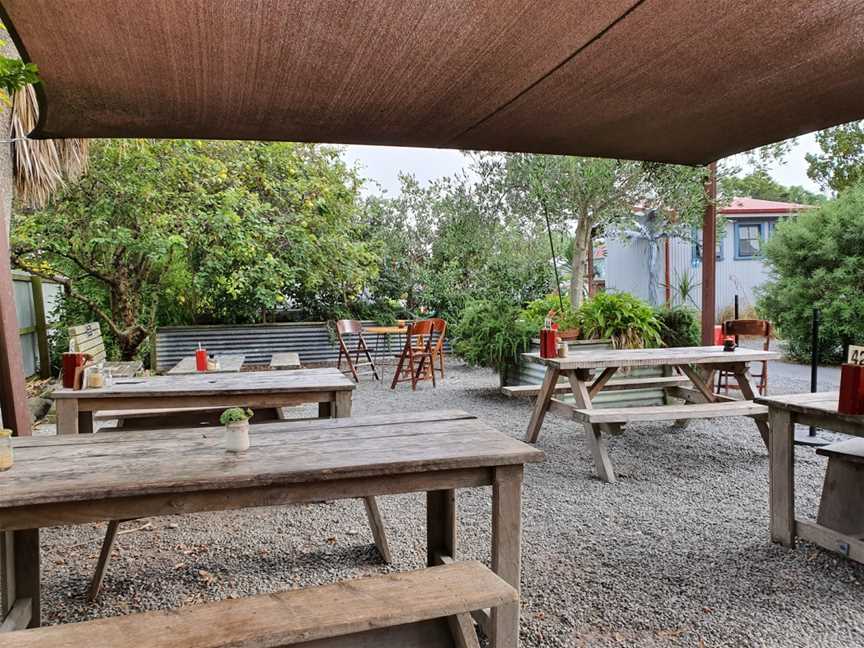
67 480
691 379
840 523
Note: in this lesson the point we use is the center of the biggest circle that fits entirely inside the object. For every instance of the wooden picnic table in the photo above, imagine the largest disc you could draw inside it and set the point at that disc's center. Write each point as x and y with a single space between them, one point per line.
66 480
266 389
820 410
227 364
698 364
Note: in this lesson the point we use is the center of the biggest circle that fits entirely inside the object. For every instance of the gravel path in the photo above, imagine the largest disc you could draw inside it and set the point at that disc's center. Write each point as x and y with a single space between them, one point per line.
675 554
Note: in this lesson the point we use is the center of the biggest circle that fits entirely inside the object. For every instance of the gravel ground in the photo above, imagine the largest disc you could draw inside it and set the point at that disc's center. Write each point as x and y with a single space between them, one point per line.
675 554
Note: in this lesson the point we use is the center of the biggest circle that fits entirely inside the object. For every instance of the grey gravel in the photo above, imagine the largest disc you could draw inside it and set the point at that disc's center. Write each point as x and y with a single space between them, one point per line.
675 554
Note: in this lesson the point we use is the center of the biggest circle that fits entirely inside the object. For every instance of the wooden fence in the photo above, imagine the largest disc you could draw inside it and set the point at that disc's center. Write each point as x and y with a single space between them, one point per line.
34 301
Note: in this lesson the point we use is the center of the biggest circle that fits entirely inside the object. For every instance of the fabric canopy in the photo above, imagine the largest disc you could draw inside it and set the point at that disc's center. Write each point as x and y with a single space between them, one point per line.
667 80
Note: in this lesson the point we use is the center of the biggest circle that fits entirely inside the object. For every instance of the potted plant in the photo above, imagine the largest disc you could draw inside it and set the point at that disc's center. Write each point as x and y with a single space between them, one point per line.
236 422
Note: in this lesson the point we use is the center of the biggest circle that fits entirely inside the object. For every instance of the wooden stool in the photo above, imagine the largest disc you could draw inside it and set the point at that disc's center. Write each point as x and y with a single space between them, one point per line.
842 504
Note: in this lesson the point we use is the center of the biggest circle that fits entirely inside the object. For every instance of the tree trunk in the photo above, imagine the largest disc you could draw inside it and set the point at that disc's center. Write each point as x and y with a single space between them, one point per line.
578 261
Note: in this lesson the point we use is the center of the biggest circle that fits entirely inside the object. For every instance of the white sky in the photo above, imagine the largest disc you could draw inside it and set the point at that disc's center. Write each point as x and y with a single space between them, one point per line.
383 164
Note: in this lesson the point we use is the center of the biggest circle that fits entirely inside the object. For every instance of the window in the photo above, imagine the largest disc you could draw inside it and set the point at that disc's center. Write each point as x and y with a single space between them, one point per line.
697 247
748 240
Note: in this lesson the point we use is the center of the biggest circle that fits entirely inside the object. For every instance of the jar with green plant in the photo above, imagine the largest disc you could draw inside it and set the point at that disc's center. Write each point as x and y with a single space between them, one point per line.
236 422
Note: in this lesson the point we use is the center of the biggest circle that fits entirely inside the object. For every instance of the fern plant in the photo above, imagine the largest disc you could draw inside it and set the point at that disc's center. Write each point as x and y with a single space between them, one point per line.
628 322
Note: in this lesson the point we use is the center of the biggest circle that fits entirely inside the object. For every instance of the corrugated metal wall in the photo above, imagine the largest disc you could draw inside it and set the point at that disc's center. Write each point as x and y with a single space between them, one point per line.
627 270
27 316
532 373
312 340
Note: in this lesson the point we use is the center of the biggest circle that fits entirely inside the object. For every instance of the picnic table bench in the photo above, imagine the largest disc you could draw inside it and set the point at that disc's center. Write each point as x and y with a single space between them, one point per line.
840 523
693 365
82 479
285 360
419 608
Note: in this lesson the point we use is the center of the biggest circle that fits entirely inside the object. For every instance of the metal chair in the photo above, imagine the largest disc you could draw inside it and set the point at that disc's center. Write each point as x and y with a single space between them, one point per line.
746 328
345 329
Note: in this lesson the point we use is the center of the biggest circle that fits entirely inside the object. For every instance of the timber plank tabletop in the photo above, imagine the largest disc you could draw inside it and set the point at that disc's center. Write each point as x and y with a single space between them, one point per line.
227 364
205 384
808 403
53 470
599 359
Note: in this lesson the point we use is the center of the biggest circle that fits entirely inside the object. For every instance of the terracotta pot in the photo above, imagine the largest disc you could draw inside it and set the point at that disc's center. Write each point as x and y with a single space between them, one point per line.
569 334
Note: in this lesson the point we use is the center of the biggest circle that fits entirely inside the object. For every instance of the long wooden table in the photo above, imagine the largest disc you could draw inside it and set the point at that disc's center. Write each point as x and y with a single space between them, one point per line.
820 410
698 364
266 389
81 479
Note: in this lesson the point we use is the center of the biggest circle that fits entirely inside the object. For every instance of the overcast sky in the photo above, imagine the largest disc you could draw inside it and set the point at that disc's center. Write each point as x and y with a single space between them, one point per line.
383 164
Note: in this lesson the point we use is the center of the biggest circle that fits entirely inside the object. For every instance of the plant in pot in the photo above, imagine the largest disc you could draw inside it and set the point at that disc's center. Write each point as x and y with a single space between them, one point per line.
236 422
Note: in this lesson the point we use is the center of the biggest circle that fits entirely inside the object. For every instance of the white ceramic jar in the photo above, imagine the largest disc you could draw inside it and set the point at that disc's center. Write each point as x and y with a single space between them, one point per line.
237 436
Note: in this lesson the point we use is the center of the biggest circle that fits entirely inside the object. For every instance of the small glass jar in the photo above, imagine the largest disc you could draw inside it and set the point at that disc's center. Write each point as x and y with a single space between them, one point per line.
5 449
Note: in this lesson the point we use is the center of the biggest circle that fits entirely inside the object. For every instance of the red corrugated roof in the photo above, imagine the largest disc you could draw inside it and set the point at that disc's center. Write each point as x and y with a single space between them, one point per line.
757 206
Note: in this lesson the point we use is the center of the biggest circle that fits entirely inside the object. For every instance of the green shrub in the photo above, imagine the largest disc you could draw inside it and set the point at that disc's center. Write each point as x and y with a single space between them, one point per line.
627 321
816 260
491 334
535 313
679 326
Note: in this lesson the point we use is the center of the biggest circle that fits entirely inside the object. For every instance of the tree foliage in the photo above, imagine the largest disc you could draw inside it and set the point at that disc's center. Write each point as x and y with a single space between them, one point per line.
759 184
841 163
167 232
816 260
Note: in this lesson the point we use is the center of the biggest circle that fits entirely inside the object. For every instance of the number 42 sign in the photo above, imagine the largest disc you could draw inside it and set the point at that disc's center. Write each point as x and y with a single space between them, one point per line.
856 355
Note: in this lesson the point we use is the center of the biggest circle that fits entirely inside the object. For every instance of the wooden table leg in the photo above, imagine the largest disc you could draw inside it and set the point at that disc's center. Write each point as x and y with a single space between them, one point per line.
742 376
541 405
593 433
67 415
27 574
781 477
506 551
342 404
440 527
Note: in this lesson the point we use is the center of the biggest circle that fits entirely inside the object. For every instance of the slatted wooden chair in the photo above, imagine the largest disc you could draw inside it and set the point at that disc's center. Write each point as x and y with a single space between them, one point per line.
87 338
416 359
439 329
345 331
746 328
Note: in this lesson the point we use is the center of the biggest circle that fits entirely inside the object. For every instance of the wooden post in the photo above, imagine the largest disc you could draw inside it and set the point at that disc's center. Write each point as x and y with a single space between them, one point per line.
13 397
41 327
709 257
667 272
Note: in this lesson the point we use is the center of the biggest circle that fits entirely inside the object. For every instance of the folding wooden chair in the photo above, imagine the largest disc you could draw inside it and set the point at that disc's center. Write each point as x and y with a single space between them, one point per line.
746 328
439 328
344 330
415 361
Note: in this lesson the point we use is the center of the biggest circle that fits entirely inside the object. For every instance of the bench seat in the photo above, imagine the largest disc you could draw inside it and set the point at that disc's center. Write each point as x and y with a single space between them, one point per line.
399 609
653 382
669 412
286 360
841 507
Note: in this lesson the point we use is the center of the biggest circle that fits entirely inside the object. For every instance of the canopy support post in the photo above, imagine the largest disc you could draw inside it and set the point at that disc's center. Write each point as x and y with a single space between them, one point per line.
13 397
709 257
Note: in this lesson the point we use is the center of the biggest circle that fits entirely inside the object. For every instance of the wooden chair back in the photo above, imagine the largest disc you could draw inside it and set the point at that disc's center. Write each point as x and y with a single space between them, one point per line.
87 338
344 329
415 361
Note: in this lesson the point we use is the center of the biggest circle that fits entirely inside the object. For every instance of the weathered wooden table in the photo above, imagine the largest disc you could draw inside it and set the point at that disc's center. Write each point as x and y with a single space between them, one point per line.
227 364
698 364
267 389
87 478
820 410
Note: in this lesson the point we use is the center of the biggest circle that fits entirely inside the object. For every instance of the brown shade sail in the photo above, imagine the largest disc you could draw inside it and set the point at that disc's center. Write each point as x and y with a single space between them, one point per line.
684 81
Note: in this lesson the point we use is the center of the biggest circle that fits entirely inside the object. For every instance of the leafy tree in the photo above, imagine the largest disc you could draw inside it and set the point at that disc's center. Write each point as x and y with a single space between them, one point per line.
816 260
174 232
841 163
759 184
589 195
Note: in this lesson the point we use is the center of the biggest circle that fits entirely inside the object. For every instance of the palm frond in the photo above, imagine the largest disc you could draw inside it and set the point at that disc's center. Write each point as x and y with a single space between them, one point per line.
41 167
